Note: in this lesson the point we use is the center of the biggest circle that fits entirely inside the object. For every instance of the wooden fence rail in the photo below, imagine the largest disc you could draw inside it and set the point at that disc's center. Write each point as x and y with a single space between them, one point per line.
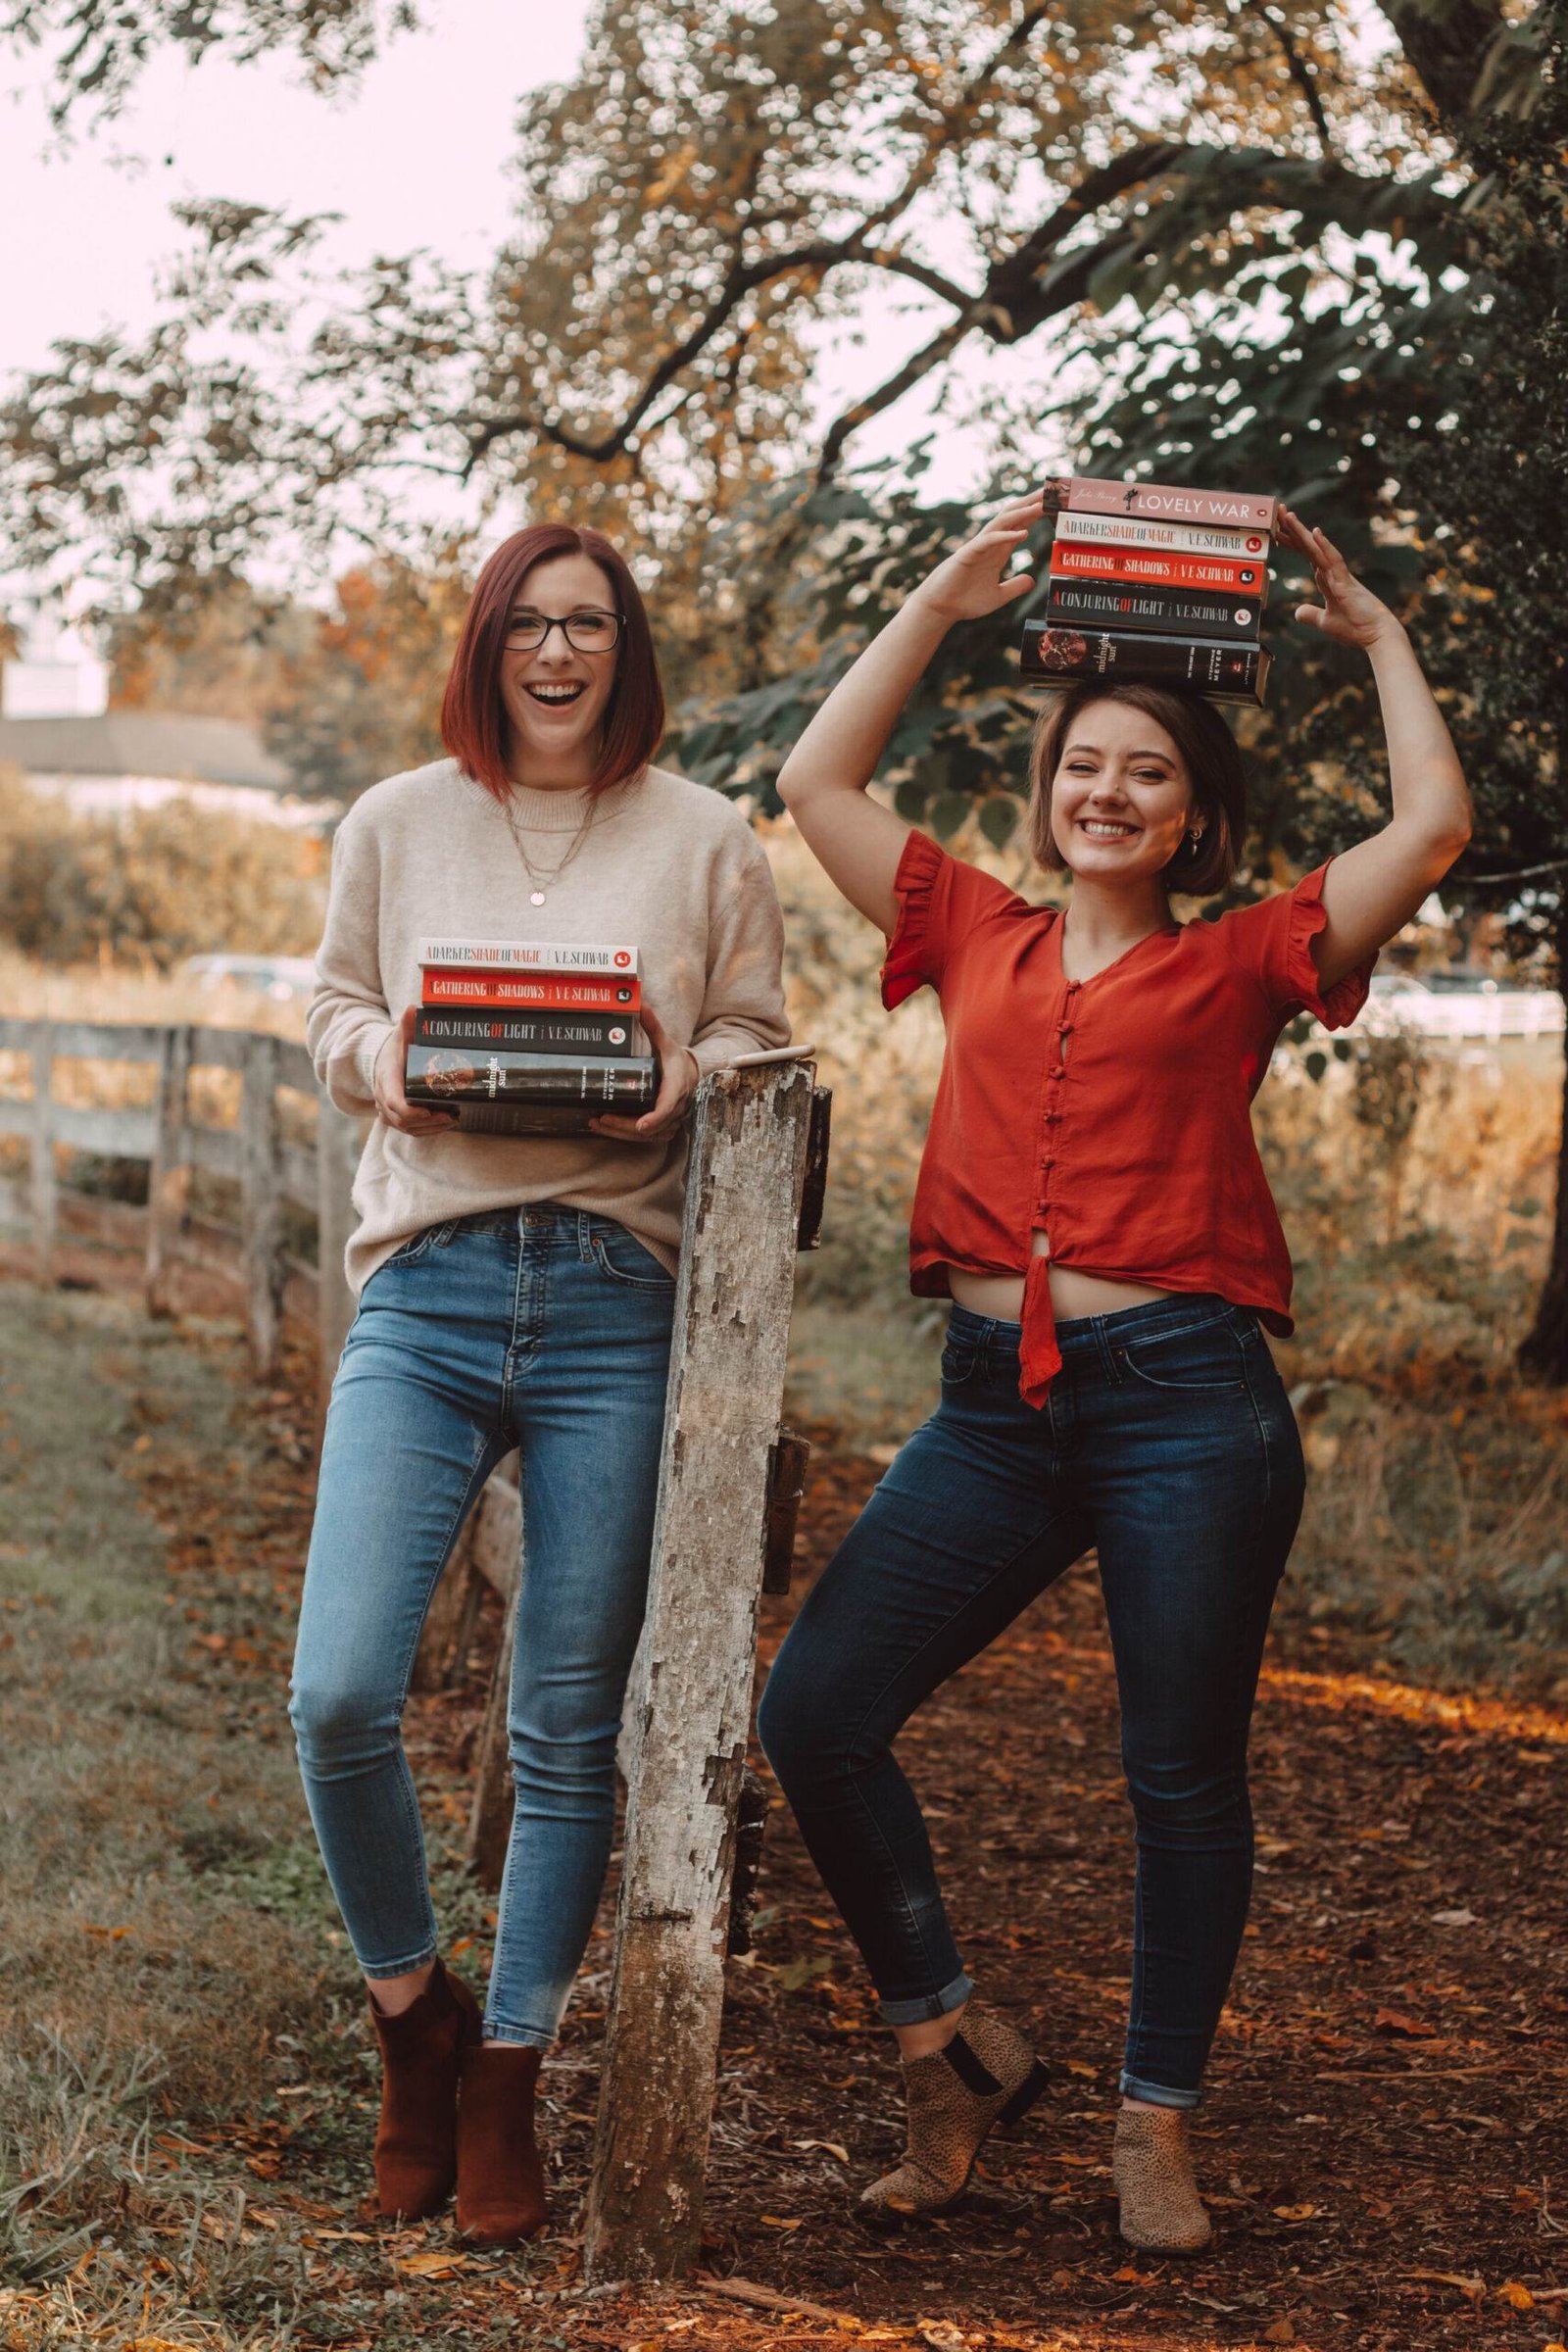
729 1489
269 1169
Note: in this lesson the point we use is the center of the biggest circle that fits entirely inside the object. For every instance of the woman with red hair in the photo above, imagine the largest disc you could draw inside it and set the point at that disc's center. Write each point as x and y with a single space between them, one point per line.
514 1291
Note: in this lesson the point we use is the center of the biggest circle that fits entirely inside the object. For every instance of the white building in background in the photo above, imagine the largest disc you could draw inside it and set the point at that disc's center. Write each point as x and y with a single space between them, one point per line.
54 729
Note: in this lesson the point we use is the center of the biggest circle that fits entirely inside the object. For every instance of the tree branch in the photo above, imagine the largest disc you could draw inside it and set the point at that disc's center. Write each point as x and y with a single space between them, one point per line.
919 364
1010 282
1019 294
1296 67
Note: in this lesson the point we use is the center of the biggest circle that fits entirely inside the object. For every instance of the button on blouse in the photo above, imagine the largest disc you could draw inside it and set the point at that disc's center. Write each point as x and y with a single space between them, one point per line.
1135 1148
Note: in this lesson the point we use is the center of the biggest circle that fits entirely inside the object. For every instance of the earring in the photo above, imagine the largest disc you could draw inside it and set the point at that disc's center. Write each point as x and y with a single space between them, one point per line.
1195 835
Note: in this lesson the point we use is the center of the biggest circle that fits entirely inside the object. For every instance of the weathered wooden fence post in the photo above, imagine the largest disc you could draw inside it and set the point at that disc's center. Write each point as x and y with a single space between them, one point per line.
692 1699
169 1183
43 1187
262 1200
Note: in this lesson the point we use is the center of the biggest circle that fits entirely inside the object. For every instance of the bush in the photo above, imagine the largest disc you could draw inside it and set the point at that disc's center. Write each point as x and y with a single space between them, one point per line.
155 885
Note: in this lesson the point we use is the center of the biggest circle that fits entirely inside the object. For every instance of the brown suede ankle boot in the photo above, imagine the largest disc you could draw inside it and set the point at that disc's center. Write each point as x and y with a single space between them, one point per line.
416 2141
986 2075
500 2182
1152 2165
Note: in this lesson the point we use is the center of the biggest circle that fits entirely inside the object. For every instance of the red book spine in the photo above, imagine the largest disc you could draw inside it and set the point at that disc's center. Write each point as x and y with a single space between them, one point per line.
1071 560
442 985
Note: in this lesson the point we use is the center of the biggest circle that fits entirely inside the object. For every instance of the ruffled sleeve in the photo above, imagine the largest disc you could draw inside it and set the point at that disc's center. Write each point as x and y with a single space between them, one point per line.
941 900
1274 939
915 950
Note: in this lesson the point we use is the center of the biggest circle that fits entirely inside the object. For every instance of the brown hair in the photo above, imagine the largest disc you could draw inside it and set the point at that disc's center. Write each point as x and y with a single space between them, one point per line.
1211 758
473 718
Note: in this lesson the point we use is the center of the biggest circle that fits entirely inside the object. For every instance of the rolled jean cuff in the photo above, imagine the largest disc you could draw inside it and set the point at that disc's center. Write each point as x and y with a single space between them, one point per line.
1157 2094
926 2005
516 2037
398 1968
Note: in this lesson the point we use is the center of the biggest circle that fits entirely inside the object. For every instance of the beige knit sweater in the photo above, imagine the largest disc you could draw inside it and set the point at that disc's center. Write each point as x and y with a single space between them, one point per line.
668 867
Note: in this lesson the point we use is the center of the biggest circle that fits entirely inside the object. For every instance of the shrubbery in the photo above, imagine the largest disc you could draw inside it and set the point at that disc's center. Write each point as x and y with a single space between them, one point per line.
155 885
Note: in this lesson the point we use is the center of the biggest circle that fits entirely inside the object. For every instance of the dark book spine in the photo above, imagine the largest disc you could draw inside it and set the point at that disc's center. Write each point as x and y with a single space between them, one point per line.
480 1074
530 1118
1163 611
1222 673
505 1031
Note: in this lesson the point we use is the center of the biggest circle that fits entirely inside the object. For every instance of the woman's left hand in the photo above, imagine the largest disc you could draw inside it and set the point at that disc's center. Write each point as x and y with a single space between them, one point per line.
1349 613
677 1083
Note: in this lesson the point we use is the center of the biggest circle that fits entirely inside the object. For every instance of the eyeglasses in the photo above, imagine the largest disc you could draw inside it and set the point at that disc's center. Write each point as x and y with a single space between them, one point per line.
589 631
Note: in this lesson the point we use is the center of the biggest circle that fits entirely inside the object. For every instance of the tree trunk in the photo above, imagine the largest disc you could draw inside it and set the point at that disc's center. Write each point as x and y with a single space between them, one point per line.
1543 1355
1446 46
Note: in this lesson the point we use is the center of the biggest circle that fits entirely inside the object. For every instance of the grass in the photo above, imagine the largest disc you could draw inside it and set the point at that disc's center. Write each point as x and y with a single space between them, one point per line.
165 1920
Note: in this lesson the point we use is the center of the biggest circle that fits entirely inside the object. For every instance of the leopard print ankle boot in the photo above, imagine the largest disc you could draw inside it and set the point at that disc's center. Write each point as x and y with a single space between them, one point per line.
986 2075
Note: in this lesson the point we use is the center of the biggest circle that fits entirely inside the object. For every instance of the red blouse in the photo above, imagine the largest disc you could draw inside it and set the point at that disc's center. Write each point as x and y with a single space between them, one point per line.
1113 1112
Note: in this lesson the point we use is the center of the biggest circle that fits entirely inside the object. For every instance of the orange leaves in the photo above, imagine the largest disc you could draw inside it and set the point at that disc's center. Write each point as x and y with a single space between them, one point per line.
1398 2021
436 2265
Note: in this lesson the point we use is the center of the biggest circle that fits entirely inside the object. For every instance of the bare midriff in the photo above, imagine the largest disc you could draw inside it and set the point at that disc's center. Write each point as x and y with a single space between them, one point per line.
1001 1295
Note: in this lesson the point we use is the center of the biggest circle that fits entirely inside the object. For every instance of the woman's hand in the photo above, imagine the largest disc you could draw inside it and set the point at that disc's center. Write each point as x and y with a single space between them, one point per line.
678 1077
391 1103
1349 613
970 584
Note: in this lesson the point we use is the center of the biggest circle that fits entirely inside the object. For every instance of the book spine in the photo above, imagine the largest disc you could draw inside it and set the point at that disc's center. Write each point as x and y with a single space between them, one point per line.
528 956
1220 673
1177 538
526 1118
1160 502
1156 570
446 1073
1165 611
439 986
501 1030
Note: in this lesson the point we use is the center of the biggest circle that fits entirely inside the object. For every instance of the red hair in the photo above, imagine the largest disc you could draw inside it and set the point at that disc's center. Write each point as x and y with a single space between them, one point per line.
473 718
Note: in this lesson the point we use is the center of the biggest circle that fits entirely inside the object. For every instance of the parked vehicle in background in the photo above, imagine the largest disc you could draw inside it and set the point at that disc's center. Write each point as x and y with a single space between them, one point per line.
287 979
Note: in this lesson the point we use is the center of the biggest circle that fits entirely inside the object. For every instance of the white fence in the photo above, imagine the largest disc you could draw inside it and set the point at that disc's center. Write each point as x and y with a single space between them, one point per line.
1459 1016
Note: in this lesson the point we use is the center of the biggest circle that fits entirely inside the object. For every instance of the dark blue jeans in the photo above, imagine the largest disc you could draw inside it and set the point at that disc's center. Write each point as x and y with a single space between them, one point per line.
1168 1445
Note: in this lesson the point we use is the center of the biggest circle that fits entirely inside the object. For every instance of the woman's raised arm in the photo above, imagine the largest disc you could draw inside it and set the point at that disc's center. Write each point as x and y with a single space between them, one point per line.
1372 891
824 781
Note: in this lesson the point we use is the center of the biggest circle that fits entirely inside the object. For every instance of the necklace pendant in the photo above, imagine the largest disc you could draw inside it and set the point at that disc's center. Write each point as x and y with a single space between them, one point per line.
536 898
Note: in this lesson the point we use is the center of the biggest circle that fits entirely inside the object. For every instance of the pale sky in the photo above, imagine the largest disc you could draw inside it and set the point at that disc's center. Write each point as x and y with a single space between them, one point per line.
415 154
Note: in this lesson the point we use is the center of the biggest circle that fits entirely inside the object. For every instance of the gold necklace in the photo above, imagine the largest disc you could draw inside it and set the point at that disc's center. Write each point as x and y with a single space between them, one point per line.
540 876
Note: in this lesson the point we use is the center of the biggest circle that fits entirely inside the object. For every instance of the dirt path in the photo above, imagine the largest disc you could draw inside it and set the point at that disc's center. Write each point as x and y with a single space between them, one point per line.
1385 2140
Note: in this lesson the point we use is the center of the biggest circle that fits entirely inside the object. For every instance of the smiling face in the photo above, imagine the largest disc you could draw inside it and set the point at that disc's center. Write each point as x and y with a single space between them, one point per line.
556 694
1122 798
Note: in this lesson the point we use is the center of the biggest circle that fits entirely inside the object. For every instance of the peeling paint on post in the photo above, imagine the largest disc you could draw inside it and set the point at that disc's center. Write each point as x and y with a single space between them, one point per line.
692 1695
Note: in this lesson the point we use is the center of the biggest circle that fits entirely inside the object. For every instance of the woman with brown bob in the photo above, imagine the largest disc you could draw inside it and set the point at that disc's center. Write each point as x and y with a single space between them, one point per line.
1092 1200
514 1291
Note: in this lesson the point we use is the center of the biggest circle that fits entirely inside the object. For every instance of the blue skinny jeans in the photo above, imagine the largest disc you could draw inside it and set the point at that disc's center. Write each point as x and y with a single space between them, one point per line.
1168 1445
546 1329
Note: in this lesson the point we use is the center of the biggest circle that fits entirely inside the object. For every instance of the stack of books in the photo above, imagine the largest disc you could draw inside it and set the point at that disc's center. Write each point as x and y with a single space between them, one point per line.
1155 587
523 1039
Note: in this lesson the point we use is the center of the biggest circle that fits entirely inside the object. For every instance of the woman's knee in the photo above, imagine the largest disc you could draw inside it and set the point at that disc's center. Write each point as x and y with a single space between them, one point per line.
1194 1798
801 1722
338 1718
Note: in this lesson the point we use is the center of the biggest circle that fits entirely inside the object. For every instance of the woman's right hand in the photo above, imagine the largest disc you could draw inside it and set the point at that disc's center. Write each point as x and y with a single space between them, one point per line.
970 585
391 1103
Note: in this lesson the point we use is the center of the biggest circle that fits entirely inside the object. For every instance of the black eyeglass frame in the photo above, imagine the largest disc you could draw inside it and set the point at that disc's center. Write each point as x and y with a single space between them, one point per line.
563 622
